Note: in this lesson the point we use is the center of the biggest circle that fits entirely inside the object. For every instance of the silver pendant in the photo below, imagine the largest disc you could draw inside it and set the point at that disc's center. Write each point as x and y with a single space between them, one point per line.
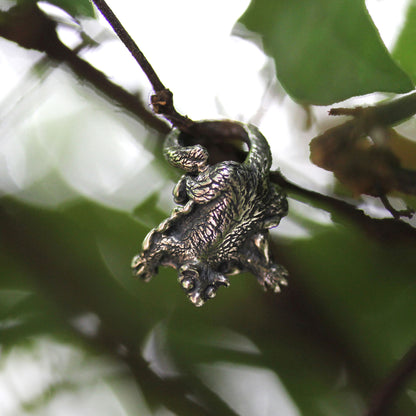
220 226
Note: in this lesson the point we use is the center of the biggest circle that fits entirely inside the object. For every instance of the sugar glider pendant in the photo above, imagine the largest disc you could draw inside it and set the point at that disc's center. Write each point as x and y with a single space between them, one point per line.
220 226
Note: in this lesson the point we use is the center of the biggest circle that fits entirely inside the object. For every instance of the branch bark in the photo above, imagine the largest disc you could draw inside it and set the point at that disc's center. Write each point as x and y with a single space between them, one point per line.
386 230
40 34
162 100
393 385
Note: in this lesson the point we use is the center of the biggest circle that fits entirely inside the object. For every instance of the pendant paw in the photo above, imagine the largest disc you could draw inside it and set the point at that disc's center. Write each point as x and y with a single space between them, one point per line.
275 278
142 269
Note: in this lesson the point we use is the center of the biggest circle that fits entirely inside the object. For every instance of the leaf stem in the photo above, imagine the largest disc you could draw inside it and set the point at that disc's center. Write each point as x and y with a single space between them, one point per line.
387 114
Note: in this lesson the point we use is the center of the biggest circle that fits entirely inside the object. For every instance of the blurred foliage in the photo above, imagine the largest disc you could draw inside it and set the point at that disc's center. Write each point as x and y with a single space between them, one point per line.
404 49
319 348
347 315
75 8
325 51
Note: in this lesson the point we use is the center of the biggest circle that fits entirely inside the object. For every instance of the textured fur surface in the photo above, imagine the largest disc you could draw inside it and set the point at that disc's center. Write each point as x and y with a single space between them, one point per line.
220 226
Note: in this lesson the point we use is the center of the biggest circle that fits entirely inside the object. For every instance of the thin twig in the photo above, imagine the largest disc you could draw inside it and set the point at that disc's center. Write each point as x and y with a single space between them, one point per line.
388 114
162 100
17 17
130 44
393 385
397 214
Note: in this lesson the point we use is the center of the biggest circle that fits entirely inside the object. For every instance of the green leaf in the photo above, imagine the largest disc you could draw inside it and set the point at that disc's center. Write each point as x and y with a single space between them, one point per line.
76 8
325 51
9 298
404 50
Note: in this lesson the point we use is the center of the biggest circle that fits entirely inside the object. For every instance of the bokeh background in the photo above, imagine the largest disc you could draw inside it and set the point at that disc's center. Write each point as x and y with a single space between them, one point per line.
82 181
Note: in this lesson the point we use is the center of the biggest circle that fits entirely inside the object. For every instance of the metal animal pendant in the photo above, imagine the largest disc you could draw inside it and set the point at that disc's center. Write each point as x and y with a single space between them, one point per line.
220 226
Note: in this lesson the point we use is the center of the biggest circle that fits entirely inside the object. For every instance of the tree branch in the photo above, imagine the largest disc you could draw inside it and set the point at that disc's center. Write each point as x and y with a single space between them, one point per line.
162 100
124 36
386 230
393 385
40 34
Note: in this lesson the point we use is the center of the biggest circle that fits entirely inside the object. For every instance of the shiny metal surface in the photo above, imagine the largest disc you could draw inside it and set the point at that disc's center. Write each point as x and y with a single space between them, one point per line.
221 223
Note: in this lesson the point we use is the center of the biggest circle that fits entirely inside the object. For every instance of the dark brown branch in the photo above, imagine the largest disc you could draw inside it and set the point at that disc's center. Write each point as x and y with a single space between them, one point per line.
393 385
102 84
397 214
40 34
162 100
385 230
124 36
180 388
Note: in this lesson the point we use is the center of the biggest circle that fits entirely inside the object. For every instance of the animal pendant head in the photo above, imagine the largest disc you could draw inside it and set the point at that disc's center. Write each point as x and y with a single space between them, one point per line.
220 226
